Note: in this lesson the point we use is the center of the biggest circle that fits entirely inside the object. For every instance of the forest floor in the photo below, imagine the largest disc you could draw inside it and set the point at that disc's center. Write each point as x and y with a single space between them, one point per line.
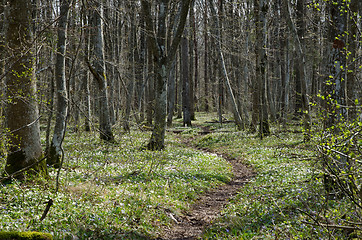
210 182
209 205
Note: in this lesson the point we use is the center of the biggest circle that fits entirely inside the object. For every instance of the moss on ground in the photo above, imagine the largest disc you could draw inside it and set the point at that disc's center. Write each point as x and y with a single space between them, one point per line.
25 236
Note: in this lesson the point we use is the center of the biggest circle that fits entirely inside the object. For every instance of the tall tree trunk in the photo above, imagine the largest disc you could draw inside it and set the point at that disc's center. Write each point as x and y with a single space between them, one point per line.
178 87
286 73
142 72
158 134
85 79
50 107
163 60
150 98
255 91
302 69
351 93
299 72
206 59
246 80
131 69
98 70
185 83
55 151
337 59
2 46
172 93
261 8
236 113
191 63
334 99
196 62
22 110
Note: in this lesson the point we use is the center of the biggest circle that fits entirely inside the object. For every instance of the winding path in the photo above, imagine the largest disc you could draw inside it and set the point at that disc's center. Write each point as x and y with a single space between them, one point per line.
209 206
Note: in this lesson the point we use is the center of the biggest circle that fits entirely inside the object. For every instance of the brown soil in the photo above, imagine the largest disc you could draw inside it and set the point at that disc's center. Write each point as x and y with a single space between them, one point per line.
208 208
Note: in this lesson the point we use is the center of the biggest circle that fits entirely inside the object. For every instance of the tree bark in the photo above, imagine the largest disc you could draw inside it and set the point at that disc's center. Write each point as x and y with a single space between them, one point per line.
22 111
55 150
302 67
163 60
351 93
206 59
261 8
236 113
299 72
131 71
172 93
336 62
196 62
150 98
98 71
85 78
185 83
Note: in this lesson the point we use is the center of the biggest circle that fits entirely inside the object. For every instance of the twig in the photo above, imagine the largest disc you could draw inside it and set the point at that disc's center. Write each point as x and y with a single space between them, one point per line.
332 226
47 208
317 223
27 125
352 223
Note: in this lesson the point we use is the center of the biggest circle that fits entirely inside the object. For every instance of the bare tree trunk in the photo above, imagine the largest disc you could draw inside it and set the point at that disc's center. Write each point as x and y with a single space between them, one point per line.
299 72
163 60
55 151
131 69
22 110
85 79
206 59
185 83
150 98
246 80
285 100
2 46
99 74
142 72
191 78
158 134
351 93
196 62
172 93
178 87
86 92
337 61
236 113
301 55
261 9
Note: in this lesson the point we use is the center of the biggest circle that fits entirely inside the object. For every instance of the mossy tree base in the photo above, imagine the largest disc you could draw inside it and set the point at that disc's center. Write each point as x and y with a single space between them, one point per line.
154 145
25 236
16 162
106 135
264 130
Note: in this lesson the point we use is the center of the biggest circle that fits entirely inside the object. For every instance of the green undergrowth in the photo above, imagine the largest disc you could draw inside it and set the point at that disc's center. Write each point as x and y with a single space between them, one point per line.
118 191
113 190
278 201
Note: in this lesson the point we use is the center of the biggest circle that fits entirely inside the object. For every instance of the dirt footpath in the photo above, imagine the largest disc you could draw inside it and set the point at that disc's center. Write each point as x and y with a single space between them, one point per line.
208 207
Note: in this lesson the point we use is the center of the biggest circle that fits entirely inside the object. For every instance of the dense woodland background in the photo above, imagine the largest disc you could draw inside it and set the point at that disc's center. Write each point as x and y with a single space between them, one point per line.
100 66
265 61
